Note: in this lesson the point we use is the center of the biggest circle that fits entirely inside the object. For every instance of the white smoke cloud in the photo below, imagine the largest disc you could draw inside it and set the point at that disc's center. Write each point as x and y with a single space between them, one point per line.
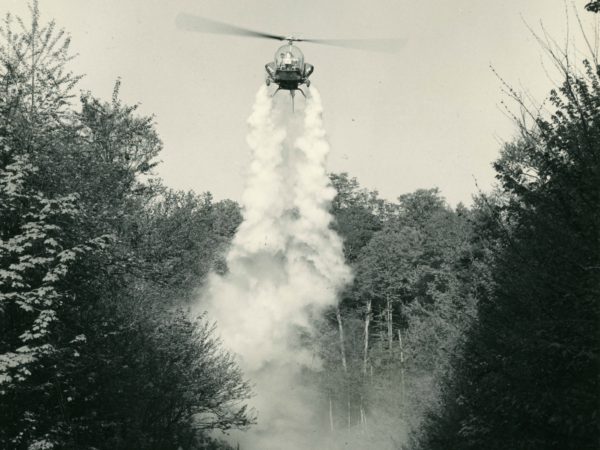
285 264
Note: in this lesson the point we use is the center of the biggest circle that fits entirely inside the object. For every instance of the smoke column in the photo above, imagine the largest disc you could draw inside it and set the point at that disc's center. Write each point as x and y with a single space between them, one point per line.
285 266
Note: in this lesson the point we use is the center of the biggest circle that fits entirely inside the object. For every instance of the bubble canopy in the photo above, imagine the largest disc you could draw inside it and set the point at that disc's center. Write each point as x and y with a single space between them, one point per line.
289 57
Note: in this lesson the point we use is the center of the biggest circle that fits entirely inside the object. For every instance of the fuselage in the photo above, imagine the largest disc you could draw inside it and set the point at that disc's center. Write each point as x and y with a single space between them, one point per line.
288 69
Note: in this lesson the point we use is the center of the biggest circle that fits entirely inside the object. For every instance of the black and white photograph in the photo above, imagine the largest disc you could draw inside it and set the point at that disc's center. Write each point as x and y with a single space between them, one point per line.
299 225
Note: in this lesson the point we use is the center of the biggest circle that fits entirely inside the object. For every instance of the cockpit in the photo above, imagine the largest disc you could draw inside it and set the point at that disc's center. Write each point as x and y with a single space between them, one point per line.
289 58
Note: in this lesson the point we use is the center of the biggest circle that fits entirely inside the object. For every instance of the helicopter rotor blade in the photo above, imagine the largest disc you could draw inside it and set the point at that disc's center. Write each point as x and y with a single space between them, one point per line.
203 25
377 45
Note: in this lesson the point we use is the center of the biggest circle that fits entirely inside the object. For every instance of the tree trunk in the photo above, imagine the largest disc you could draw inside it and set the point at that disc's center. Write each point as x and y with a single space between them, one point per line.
338 314
381 325
330 414
363 415
349 421
390 328
401 367
366 338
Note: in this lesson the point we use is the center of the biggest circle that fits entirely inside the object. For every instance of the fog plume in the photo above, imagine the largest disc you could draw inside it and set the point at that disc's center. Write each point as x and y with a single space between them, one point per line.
285 266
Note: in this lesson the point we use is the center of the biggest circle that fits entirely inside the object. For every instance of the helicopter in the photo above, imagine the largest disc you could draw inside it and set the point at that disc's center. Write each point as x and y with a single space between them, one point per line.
288 70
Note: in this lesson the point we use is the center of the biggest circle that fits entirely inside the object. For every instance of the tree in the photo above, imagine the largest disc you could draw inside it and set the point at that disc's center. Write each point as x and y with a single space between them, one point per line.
404 315
358 213
36 255
593 6
94 350
529 374
182 237
37 88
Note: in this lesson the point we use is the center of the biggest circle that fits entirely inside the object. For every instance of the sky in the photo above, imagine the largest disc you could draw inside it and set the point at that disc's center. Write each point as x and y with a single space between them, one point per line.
427 116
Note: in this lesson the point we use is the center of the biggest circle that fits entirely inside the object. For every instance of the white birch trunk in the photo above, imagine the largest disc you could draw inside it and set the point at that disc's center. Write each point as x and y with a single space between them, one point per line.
366 338
390 331
331 414
338 314
401 366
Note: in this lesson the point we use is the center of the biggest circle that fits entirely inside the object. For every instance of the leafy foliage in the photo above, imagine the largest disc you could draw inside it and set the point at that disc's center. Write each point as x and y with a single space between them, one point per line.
529 374
35 262
96 347
405 314
593 6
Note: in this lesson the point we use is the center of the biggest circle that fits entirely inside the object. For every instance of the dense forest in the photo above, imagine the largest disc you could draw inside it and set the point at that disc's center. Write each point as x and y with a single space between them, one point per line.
463 328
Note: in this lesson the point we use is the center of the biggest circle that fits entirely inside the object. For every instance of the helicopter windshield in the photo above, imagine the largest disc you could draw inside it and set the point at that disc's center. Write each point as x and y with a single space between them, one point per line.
289 57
